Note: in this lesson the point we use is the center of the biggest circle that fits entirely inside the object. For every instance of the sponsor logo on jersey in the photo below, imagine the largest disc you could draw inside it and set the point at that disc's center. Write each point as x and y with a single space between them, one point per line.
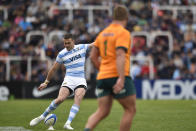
75 57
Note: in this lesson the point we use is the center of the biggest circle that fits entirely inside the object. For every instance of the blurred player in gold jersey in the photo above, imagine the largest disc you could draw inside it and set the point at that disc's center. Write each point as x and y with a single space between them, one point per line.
111 56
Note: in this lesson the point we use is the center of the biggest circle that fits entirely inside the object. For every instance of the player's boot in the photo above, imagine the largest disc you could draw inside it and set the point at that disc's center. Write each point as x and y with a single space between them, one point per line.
36 120
68 126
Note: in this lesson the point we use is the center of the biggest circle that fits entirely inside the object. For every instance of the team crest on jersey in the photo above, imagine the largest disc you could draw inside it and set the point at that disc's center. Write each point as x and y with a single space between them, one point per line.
122 91
75 57
98 91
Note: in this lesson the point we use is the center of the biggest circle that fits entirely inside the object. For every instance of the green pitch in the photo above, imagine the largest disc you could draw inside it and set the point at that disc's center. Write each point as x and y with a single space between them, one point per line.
156 115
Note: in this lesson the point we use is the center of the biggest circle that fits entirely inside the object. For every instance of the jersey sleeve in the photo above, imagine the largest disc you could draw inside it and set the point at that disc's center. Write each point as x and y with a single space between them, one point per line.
123 41
86 46
59 59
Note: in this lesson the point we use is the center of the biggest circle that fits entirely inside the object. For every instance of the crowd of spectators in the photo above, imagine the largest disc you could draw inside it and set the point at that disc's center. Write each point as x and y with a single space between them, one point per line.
27 15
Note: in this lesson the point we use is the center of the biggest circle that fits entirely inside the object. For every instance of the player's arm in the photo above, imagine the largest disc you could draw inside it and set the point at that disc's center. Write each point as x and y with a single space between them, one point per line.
122 46
91 45
94 56
120 64
52 70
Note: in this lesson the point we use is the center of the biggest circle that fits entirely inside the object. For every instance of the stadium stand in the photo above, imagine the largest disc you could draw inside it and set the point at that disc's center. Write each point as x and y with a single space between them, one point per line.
31 35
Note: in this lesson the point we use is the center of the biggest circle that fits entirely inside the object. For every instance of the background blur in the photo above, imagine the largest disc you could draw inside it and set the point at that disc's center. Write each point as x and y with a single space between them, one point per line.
163 36
163 61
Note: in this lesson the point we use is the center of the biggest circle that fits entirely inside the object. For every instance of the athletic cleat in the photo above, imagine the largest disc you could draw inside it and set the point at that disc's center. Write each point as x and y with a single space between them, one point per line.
68 126
51 128
36 120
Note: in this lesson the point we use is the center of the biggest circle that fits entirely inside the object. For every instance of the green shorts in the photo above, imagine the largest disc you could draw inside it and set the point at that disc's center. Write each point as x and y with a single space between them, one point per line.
105 87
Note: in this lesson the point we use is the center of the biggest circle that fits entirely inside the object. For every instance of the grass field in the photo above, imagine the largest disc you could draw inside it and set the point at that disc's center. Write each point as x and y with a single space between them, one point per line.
152 115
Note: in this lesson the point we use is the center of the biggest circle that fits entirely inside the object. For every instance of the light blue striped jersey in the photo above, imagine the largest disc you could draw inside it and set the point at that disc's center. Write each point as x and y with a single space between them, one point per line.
74 60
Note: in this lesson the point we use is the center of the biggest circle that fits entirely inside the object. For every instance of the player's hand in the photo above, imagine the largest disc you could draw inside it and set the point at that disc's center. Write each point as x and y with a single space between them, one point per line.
118 86
42 86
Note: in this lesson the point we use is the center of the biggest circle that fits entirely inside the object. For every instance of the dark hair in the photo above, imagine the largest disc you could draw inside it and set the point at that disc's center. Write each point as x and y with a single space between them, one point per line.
120 13
67 36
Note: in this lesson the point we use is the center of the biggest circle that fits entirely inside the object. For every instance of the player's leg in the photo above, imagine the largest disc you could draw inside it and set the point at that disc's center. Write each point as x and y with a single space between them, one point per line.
79 94
129 106
63 93
127 98
104 107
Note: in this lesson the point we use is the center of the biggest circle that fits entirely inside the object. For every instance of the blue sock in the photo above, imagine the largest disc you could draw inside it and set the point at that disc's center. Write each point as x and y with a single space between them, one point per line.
74 110
87 129
50 108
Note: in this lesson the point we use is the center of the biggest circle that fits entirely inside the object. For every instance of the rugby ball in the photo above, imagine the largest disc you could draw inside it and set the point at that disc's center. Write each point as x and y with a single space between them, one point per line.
50 120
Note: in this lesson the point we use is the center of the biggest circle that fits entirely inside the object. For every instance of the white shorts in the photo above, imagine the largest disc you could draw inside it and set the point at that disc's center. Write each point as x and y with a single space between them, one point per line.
73 82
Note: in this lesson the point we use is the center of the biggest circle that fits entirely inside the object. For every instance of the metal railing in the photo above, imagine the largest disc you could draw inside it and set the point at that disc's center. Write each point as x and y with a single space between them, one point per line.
37 33
59 33
5 12
29 60
47 37
88 8
142 33
154 34
150 37
175 10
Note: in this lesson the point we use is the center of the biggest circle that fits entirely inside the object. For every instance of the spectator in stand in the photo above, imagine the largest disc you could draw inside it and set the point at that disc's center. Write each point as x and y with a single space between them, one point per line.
24 16
135 70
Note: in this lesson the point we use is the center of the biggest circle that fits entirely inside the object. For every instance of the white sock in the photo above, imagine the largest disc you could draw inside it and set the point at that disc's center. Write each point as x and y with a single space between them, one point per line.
74 110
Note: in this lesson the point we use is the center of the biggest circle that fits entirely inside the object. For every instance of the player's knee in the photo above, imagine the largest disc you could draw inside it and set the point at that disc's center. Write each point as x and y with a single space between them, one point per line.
104 112
131 110
79 96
